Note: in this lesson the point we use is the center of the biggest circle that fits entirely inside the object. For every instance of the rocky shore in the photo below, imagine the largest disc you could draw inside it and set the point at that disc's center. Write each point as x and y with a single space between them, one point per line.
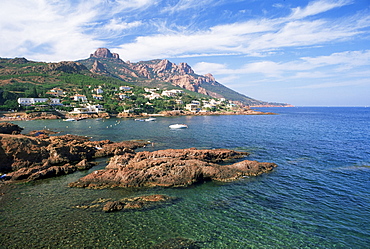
38 155
13 116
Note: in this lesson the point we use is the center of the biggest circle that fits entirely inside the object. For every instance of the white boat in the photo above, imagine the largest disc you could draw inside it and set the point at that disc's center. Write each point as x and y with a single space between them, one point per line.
70 119
150 119
178 126
139 119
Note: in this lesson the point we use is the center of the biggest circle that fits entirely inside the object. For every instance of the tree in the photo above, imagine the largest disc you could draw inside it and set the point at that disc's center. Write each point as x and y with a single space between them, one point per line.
11 104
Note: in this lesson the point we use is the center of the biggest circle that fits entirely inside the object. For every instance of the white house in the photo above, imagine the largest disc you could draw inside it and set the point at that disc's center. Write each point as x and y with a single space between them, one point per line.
151 90
97 96
210 106
121 96
32 101
56 92
172 93
79 97
98 90
192 107
88 109
125 88
153 96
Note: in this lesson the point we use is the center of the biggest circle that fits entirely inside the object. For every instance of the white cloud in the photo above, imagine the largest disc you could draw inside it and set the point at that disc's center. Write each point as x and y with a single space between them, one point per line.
207 67
317 7
119 25
347 64
350 58
253 37
183 5
58 30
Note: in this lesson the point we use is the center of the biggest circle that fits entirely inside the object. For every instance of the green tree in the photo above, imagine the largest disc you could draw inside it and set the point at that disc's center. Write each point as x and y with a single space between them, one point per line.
11 104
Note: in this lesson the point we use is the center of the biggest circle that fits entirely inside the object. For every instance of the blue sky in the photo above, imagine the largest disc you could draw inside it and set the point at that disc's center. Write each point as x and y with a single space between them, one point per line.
306 53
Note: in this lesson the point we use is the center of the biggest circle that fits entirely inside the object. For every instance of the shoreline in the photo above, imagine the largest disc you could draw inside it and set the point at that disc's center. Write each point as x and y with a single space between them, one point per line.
23 116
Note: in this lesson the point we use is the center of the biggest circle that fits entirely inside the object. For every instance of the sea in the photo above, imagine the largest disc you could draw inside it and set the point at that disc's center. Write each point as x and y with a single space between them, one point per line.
317 197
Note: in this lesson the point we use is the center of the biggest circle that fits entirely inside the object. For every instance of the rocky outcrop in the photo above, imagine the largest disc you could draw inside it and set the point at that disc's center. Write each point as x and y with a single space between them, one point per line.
172 168
34 157
9 128
181 75
21 60
104 53
142 202
67 67
33 115
98 67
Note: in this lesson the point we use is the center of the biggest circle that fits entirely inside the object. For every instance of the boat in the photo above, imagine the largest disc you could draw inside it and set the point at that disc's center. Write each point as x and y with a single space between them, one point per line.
150 119
139 119
178 126
70 119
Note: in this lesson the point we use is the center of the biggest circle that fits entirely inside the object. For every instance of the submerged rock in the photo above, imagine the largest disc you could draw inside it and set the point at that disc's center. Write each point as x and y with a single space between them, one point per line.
126 204
172 168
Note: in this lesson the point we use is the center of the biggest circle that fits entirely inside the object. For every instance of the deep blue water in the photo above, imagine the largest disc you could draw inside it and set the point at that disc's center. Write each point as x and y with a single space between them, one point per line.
317 197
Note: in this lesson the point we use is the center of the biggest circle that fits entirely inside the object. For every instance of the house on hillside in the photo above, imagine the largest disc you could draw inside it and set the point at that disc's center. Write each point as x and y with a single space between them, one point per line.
125 88
88 109
151 90
33 101
98 90
79 97
121 96
192 107
57 92
97 96
152 96
172 93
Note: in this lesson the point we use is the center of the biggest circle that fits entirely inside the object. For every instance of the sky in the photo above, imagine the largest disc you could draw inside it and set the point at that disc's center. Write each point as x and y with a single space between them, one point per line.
305 53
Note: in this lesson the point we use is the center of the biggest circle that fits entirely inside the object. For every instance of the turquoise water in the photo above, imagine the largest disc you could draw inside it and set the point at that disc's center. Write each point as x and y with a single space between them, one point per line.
318 197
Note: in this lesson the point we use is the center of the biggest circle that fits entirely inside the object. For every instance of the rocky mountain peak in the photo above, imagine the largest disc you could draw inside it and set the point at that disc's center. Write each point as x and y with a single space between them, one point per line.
104 53
163 65
185 68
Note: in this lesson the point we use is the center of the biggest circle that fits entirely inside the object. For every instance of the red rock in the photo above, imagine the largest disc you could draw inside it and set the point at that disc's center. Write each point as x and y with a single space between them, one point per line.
30 158
172 168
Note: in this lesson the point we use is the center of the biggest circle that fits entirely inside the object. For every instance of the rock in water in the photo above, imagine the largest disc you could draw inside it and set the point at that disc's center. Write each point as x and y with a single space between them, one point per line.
172 168
9 128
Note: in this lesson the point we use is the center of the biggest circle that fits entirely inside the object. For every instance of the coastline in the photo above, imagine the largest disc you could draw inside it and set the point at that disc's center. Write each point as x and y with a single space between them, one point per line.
23 116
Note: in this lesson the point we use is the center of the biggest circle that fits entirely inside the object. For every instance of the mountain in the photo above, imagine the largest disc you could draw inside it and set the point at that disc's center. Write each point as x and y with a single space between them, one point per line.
164 75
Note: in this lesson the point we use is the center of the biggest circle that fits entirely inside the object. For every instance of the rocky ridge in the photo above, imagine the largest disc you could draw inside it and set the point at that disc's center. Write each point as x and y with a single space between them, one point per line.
152 72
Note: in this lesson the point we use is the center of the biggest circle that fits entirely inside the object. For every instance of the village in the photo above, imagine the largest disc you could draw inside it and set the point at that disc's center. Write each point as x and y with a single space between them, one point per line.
128 101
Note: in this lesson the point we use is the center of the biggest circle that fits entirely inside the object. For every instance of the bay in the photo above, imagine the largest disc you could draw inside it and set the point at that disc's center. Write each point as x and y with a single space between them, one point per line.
317 197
